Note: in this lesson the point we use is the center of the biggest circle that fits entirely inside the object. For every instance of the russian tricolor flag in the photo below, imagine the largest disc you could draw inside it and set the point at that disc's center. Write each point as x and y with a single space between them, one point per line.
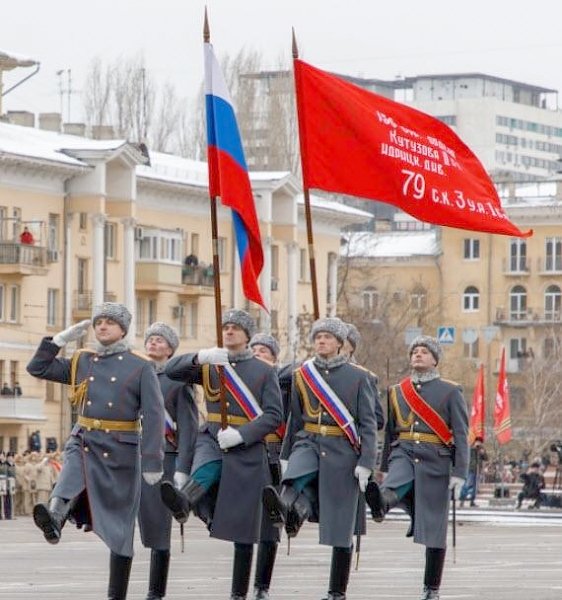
228 175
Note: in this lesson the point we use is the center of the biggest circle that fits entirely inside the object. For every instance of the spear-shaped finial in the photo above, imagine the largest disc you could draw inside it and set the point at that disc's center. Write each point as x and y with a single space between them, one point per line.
206 29
295 47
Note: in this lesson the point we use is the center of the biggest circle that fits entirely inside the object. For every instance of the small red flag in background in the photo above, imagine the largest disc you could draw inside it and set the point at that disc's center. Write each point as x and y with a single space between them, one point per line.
502 413
477 415
362 144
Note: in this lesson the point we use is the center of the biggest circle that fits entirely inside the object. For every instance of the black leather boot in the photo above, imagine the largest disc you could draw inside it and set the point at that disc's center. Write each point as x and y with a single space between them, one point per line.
267 551
339 573
51 519
159 566
119 571
289 508
241 570
434 562
180 502
380 501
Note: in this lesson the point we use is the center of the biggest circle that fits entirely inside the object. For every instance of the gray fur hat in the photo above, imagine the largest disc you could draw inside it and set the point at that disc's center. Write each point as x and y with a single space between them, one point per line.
112 310
333 325
428 342
264 339
353 335
242 319
165 331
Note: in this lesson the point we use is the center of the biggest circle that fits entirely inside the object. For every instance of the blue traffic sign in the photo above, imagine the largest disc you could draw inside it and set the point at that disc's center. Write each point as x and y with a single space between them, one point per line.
446 335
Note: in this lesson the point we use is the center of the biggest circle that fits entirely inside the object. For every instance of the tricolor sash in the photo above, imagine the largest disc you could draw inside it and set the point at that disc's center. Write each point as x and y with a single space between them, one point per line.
429 416
170 430
330 401
241 393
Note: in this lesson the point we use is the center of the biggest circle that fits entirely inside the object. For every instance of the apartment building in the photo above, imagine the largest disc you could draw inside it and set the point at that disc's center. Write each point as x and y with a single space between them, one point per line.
107 224
487 291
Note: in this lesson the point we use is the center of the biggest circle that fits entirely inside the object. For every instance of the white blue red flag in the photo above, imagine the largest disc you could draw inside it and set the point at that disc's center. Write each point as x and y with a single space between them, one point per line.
228 175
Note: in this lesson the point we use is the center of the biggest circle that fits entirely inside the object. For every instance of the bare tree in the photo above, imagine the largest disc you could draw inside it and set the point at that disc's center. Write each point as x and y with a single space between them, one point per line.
540 418
125 96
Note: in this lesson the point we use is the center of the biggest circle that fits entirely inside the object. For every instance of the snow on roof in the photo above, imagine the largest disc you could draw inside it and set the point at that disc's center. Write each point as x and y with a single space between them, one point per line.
49 145
390 244
11 60
331 205
176 169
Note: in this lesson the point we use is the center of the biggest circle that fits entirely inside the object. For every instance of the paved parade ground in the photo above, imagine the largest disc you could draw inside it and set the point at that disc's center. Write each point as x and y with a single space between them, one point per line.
518 557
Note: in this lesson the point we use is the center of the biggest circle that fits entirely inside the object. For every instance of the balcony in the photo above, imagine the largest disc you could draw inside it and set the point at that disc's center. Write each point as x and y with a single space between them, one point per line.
82 303
198 280
19 409
527 318
22 259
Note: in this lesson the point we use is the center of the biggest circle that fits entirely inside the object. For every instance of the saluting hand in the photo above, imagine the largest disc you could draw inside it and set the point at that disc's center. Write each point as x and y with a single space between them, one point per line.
72 333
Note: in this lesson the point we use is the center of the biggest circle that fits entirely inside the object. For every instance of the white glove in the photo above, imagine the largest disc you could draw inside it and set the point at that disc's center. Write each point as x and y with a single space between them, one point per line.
73 333
362 474
284 464
229 437
456 482
180 479
213 356
152 478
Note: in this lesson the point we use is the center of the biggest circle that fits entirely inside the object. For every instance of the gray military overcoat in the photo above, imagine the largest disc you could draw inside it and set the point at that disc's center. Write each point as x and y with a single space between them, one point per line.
155 520
333 457
236 514
101 470
428 465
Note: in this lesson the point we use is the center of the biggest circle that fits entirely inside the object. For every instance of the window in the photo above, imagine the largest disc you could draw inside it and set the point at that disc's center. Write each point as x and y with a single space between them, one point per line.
517 354
517 255
151 311
518 303
160 245
83 221
14 370
471 299
140 321
2 302
3 222
304 267
52 306
370 302
14 313
471 249
192 319
553 251
110 239
195 244
53 232
471 350
418 299
16 223
275 262
82 273
552 303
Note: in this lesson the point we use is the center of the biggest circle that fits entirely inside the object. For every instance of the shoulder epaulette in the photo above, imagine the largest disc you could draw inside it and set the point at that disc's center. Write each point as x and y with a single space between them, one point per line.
358 366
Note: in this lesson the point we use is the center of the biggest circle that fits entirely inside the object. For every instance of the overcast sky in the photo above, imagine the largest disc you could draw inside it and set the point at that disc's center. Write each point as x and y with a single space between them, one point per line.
507 38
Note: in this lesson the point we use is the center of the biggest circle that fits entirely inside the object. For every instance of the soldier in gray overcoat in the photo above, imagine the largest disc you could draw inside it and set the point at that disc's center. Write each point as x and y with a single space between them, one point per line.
330 457
99 485
182 422
266 347
350 347
225 488
426 455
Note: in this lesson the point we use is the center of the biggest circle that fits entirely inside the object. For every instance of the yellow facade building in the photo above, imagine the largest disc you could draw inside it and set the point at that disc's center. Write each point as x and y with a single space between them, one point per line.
107 225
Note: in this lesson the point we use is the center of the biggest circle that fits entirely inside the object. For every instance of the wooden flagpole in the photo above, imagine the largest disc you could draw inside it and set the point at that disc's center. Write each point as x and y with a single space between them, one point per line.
308 215
216 271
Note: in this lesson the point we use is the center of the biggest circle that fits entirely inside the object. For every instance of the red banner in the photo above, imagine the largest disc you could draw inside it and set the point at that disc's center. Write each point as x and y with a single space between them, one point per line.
477 414
362 144
502 416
